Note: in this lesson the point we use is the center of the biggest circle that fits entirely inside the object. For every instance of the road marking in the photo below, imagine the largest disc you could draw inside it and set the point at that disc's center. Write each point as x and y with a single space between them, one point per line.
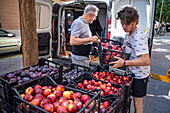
160 49
167 56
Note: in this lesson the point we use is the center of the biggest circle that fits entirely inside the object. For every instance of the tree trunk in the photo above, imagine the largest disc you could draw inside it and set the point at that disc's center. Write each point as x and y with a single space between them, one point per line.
28 32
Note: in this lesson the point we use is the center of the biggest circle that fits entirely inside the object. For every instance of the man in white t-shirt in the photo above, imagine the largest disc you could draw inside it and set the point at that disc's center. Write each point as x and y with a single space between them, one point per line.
136 44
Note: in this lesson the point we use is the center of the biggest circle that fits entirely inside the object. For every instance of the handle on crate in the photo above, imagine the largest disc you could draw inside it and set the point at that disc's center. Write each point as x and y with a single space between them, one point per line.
1 86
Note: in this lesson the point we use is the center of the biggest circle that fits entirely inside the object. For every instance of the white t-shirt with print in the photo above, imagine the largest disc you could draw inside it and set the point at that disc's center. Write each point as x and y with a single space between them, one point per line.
136 45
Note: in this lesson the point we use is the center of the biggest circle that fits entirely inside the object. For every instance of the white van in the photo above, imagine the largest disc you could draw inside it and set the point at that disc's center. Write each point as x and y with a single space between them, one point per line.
54 23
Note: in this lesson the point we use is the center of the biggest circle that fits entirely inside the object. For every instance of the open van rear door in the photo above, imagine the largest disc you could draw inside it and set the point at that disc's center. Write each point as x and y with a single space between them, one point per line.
43 20
146 11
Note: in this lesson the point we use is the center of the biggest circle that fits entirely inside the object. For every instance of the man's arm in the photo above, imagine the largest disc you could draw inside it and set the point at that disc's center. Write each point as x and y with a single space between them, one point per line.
78 41
143 60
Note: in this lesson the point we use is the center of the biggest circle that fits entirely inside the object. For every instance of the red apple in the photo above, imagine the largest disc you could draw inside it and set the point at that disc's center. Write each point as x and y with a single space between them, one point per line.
89 87
119 81
127 78
36 101
77 95
102 87
22 95
77 100
39 96
92 80
57 93
62 99
51 87
47 92
61 109
65 103
72 108
124 78
85 83
90 105
52 97
60 88
79 105
67 94
45 87
56 105
111 92
37 86
39 91
28 98
106 91
95 83
106 104
115 90
45 101
48 107
29 91
79 85
85 98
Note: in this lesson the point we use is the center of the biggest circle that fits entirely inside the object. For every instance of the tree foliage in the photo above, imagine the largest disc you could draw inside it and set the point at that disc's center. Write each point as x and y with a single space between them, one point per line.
165 11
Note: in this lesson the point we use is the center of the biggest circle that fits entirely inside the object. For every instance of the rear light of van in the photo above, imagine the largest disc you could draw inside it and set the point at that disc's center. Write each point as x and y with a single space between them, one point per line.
109 21
52 29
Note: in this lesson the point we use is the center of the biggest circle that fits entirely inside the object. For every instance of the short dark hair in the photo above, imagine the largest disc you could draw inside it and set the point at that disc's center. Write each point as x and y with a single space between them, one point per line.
128 15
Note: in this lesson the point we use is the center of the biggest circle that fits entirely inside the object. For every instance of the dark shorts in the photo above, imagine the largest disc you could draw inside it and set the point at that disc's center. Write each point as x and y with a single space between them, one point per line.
139 87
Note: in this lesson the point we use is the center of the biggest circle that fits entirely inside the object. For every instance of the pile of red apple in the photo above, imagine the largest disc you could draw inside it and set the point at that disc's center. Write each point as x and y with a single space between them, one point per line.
22 76
111 47
111 54
111 77
57 99
91 85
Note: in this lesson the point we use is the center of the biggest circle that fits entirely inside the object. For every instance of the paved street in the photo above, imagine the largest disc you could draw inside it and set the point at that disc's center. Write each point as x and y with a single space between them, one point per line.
158 96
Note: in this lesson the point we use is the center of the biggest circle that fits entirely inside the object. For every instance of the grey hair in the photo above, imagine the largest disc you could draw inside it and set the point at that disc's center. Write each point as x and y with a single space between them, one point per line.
90 9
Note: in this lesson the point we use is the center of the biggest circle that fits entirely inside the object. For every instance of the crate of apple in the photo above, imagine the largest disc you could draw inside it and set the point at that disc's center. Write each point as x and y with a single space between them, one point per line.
44 98
108 49
73 72
92 85
112 78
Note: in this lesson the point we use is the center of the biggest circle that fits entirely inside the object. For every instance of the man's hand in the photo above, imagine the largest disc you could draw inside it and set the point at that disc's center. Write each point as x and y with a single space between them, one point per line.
94 39
118 63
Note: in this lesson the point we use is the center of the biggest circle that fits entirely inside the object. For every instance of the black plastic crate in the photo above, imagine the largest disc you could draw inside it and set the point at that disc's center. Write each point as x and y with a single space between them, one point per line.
87 76
73 72
21 106
127 105
112 107
106 54
6 94
118 72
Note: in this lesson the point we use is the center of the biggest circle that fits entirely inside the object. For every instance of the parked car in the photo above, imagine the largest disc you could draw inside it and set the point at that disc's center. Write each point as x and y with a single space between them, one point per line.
9 42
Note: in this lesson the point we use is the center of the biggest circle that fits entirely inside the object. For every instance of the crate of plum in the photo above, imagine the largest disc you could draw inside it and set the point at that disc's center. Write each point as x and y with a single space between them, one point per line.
43 68
73 72
44 95
92 85
108 49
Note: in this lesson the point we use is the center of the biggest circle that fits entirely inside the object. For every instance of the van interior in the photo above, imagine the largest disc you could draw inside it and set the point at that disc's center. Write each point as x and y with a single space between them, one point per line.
66 15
